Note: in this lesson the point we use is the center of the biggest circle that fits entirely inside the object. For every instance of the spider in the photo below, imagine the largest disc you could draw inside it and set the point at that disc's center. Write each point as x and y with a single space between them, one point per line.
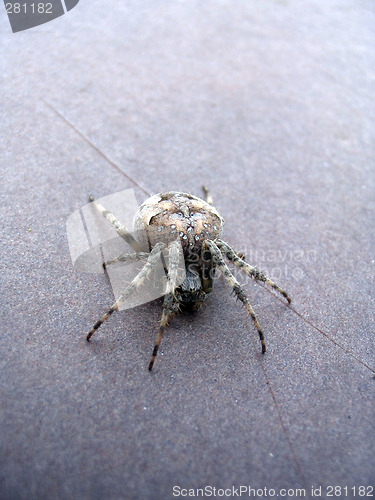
170 221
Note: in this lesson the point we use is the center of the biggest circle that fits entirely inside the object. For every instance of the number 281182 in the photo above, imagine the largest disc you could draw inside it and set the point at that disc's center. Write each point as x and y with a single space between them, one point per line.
25 8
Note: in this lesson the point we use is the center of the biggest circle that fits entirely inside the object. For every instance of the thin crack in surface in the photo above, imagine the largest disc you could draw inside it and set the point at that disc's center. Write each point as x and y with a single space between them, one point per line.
347 351
283 426
103 155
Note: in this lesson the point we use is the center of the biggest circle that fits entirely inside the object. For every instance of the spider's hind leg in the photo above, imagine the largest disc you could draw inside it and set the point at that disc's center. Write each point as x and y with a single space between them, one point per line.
232 282
170 305
251 271
207 195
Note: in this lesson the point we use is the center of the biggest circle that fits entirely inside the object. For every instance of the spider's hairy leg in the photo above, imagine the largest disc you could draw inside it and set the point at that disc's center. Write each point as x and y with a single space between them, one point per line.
127 257
231 280
153 258
170 304
251 271
207 196
121 230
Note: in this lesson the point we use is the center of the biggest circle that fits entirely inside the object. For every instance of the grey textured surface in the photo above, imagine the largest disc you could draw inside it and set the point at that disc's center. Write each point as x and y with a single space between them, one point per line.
272 107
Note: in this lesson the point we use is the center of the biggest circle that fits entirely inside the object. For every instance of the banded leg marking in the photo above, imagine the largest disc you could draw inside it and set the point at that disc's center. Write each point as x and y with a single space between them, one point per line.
170 304
134 285
251 271
233 283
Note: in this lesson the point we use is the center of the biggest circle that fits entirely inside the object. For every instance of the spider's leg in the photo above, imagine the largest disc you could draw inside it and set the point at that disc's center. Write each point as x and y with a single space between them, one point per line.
208 270
121 230
127 257
170 304
251 271
231 280
207 196
240 254
153 258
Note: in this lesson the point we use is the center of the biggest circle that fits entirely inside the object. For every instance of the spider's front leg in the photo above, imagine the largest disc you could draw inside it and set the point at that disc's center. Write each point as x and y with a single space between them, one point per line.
152 259
170 305
232 282
251 271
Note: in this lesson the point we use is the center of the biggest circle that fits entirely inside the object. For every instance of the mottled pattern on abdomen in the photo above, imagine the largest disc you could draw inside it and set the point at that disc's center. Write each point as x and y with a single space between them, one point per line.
166 216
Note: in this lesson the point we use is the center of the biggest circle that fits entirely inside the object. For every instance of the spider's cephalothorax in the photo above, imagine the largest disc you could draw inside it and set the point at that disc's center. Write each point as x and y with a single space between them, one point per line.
169 221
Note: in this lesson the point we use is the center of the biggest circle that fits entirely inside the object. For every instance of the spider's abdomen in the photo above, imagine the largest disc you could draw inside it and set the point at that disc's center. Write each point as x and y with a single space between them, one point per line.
166 216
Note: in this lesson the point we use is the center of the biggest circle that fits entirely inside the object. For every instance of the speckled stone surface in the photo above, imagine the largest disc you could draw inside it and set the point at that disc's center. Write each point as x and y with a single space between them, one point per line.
272 106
